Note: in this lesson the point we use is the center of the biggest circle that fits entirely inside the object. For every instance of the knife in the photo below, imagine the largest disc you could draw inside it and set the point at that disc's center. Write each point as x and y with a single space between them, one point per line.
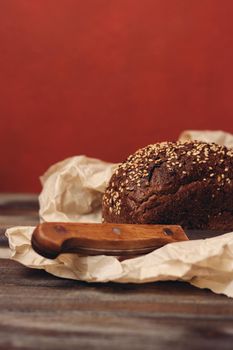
50 239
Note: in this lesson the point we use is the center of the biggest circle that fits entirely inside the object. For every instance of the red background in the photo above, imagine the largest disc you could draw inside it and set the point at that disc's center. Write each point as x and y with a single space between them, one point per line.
104 77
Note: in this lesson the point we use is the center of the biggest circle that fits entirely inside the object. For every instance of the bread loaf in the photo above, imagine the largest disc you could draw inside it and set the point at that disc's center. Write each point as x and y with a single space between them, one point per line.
190 184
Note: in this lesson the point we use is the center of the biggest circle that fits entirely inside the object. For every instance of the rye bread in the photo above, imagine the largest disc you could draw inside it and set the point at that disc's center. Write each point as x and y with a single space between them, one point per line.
190 184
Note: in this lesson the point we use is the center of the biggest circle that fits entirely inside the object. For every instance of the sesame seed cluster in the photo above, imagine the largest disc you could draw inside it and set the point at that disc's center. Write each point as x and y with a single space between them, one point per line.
174 157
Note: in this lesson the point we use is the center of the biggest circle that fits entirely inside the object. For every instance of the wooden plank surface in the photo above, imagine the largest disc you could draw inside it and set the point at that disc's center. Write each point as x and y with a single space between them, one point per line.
40 311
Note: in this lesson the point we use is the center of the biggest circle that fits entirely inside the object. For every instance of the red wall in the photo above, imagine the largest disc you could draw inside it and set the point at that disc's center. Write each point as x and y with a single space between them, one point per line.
103 77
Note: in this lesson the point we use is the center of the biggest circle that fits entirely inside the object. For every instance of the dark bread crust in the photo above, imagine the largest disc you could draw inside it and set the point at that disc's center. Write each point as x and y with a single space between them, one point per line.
190 184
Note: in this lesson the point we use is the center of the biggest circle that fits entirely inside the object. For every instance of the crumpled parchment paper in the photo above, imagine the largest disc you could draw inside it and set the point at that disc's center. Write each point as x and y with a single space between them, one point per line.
217 136
72 191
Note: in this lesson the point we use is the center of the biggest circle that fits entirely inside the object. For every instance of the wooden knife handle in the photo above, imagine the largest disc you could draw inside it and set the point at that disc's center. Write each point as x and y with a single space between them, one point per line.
53 238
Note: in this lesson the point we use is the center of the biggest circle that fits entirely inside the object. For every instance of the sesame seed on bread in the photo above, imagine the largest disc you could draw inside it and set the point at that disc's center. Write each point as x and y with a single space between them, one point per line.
190 184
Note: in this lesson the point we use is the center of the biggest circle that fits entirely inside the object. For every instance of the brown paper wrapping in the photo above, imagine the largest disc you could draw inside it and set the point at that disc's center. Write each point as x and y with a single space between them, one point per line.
72 191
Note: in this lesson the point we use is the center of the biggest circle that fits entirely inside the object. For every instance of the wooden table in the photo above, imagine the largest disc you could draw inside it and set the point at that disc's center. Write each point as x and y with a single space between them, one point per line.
40 311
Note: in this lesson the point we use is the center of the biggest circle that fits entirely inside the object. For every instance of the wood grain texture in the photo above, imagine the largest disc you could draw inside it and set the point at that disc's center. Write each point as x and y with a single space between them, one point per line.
17 210
40 311
50 239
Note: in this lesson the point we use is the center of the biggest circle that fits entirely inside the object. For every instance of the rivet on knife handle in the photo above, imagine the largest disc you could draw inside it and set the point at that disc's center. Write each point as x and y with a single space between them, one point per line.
54 238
